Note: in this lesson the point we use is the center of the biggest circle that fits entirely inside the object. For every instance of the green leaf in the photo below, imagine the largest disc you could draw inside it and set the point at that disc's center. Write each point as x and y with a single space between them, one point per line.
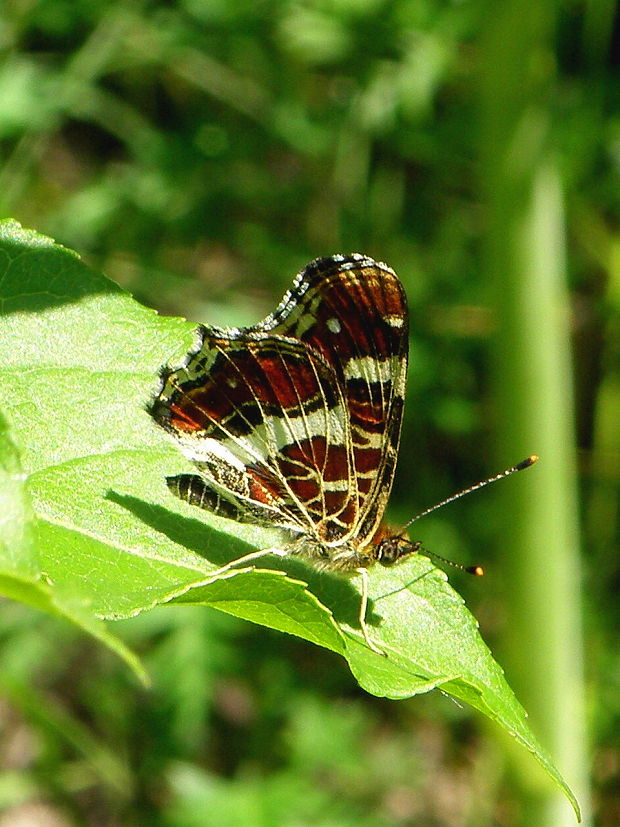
20 575
18 553
79 362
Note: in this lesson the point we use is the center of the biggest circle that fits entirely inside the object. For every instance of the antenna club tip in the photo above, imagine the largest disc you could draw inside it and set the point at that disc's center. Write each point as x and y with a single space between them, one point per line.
477 571
527 462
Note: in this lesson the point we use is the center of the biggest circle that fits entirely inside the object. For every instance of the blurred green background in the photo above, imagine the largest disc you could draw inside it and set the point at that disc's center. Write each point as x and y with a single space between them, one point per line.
200 153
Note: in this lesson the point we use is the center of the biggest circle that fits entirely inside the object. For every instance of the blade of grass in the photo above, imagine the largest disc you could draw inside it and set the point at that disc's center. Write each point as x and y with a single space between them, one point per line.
533 382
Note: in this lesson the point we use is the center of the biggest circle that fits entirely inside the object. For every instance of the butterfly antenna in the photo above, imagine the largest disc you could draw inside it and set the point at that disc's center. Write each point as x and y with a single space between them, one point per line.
477 570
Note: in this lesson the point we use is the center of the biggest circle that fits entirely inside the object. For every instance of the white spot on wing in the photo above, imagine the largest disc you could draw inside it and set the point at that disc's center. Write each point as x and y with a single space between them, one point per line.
373 370
201 450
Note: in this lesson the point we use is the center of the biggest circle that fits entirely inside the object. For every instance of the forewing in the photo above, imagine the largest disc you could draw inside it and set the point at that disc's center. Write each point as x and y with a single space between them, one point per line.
263 419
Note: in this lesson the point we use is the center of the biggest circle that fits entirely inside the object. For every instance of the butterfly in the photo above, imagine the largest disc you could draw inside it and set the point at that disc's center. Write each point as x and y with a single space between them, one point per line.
295 422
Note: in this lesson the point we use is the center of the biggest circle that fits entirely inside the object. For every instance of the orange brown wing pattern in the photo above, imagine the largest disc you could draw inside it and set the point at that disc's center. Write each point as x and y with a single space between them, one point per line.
296 421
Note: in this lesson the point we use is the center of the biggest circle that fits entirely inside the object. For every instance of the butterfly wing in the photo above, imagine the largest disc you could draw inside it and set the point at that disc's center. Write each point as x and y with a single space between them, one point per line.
296 421
353 310
246 407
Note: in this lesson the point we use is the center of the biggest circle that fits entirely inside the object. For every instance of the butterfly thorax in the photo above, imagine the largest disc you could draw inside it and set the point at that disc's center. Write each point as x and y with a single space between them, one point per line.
346 555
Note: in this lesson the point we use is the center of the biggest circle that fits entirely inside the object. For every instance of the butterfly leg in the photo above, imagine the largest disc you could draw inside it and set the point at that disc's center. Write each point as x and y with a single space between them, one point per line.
246 558
362 616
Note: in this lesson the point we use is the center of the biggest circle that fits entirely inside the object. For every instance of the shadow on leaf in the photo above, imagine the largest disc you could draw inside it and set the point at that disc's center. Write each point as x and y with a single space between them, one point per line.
48 275
335 591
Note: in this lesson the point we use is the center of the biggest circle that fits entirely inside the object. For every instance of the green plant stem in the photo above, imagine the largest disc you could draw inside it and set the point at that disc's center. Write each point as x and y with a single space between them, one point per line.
539 539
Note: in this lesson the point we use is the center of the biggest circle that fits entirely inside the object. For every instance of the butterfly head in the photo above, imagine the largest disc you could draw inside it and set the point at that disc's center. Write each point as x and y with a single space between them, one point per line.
390 550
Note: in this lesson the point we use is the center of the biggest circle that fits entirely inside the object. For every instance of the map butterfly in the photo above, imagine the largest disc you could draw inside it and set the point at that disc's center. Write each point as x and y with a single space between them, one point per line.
295 422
